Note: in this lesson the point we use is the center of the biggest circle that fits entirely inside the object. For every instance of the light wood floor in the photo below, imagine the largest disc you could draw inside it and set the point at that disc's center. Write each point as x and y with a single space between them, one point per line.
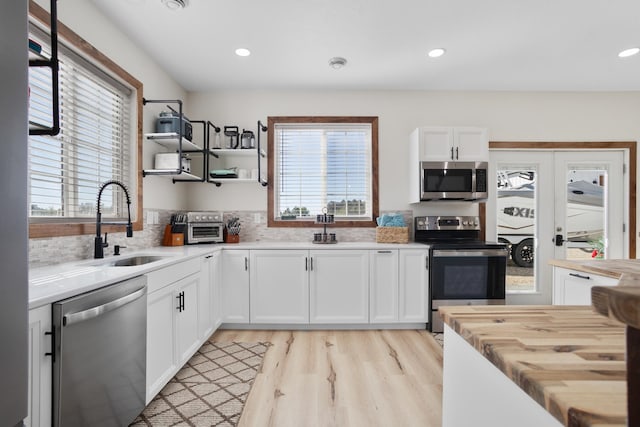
344 378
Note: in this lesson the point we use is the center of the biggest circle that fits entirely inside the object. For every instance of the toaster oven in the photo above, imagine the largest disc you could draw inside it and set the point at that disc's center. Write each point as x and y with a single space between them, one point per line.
204 227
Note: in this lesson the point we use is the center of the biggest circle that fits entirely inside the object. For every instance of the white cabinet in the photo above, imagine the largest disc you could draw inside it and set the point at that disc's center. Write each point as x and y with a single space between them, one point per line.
339 286
186 315
572 287
413 292
279 286
172 321
40 367
383 286
235 286
206 299
449 143
215 280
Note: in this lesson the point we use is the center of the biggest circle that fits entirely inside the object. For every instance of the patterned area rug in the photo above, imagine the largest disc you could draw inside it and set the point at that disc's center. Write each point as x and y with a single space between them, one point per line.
210 390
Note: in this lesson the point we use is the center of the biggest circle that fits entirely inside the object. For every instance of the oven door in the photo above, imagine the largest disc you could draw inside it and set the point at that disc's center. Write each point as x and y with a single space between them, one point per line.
467 274
206 232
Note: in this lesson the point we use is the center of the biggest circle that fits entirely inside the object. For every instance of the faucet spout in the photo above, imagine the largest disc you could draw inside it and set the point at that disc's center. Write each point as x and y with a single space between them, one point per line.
99 245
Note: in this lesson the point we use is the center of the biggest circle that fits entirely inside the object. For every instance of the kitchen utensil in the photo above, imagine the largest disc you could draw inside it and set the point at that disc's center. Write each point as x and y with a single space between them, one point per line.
247 139
231 137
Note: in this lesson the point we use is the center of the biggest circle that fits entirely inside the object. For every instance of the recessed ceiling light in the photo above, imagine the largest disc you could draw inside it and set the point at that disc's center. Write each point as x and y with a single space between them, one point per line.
337 62
629 52
175 4
243 52
435 53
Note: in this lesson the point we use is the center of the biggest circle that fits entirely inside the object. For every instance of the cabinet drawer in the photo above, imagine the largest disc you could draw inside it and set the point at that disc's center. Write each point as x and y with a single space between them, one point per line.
162 277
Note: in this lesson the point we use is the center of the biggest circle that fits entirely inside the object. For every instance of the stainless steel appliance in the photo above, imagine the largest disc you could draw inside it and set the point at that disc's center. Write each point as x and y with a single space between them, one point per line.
453 180
247 139
14 258
463 270
99 369
204 227
170 122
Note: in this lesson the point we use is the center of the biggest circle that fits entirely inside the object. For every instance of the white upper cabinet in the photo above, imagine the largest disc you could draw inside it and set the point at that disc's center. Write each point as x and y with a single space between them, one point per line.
449 144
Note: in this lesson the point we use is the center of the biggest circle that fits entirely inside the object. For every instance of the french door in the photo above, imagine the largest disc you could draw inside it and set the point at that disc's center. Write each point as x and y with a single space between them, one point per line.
555 204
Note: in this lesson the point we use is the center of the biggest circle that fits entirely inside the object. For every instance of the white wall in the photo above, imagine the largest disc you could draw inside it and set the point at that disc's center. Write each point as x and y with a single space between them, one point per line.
89 23
509 116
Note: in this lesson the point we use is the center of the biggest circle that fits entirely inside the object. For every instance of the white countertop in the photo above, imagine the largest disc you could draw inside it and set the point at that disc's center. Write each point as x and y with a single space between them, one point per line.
57 282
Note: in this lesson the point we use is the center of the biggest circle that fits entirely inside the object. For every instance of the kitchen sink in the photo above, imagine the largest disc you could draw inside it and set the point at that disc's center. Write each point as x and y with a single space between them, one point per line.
137 260
131 261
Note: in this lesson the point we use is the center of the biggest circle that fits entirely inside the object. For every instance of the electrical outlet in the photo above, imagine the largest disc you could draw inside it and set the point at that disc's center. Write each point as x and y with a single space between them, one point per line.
156 217
150 217
256 218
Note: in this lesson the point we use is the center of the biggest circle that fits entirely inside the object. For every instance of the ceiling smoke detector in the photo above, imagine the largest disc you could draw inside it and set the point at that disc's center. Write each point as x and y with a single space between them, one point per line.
175 4
337 62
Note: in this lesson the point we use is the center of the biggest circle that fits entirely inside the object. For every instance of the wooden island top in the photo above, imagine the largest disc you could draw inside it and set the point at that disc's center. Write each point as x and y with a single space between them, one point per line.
614 268
569 359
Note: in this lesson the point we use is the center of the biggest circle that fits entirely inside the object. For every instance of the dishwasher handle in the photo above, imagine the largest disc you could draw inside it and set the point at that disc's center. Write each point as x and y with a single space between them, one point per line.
93 312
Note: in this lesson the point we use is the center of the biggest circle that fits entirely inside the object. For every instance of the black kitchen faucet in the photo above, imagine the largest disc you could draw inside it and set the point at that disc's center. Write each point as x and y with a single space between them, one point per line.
99 245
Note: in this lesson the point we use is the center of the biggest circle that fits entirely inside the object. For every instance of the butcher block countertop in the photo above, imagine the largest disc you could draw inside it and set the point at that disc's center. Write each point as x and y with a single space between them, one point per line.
604 267
569 359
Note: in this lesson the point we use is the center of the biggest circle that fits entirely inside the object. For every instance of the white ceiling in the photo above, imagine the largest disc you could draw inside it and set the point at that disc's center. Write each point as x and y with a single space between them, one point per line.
531 45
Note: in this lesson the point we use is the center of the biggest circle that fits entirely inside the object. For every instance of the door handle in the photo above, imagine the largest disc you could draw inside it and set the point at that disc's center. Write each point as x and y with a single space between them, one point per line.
559 239
53 340
246 264
456 153
311 260
90 313
580 276
182 300
179 298
452 154
306 263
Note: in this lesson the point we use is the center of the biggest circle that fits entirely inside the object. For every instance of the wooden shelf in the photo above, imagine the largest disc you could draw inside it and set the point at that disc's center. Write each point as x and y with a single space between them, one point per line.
171 141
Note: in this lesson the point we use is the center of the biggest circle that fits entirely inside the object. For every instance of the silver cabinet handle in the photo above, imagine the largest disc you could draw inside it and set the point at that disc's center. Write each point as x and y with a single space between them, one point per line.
580 276
91 313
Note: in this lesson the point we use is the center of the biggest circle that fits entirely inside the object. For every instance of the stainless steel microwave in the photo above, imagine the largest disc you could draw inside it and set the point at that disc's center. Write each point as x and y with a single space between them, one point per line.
453 181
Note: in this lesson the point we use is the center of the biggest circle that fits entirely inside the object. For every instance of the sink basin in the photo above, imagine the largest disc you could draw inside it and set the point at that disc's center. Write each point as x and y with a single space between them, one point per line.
136 260
130 261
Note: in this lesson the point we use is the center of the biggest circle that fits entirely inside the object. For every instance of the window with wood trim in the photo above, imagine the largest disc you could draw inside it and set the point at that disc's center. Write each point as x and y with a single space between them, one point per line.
99 138
323 164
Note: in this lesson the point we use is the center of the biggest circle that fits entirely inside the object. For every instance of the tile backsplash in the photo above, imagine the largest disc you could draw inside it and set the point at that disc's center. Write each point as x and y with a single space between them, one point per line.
55 250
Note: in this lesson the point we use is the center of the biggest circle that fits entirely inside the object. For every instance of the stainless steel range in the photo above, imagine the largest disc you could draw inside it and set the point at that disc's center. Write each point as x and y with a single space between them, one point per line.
463 270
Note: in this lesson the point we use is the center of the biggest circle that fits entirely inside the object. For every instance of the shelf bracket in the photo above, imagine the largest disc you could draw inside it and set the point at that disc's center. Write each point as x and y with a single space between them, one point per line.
261 128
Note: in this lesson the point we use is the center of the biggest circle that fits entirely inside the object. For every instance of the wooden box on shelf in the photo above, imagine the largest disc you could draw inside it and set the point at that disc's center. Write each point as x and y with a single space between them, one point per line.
392 234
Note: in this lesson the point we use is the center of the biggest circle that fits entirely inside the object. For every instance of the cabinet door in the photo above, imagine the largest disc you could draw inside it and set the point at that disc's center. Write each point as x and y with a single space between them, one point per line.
188 339
235 286
383 286
279 284
574 287
414 285
339 286
40 367
205 314
470 144
215 280
435 143
161 356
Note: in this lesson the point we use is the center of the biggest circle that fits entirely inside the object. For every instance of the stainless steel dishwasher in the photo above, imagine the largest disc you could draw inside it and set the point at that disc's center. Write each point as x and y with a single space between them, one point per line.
100 356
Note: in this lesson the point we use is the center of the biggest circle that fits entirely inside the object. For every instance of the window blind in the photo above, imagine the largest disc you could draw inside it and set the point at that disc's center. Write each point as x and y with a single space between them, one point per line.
323 165
66 171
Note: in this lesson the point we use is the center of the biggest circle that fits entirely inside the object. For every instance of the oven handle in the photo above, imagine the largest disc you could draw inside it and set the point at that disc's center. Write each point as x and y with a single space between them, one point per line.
470 253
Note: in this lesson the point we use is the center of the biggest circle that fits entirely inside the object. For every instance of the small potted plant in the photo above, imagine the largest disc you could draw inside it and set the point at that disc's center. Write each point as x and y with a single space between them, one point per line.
232 230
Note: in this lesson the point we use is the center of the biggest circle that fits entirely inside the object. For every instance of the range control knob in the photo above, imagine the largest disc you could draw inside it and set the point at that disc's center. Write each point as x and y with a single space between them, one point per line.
464 223
197 217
